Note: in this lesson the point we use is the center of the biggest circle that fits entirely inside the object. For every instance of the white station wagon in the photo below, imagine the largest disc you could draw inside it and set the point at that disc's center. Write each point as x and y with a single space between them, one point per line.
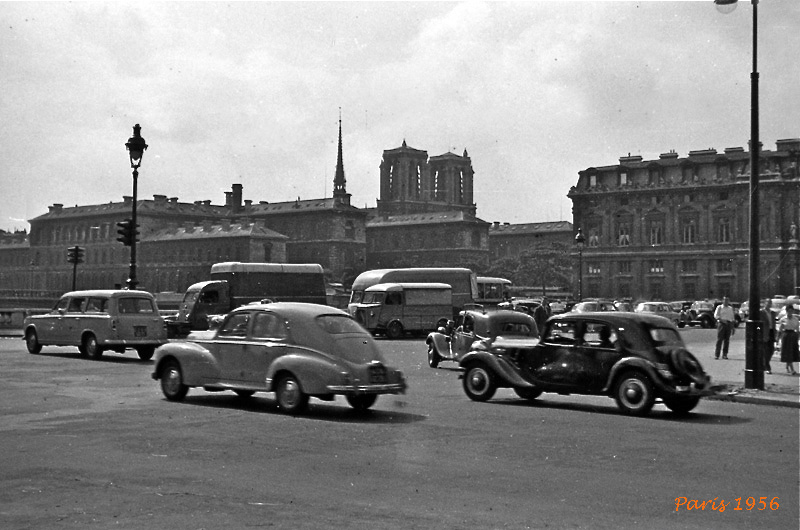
99 320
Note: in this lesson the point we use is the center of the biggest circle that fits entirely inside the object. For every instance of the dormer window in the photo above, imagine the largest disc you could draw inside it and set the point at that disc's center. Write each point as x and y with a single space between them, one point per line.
623 178
592 181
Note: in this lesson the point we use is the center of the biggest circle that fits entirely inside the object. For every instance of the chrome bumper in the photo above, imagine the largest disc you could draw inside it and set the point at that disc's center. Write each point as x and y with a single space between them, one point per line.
393 388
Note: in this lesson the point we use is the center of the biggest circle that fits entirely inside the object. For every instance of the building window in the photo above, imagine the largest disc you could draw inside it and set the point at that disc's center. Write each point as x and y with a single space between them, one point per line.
592 181
623 178
656 266
655 177
725 265
724 230
656 233
689 232
689 265
624 267
594 268
624 236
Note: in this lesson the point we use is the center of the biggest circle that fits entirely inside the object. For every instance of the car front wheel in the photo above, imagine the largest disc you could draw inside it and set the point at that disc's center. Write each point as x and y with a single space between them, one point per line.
32 342
634 394
362 402
290 396
478 383
172 382
91 346
433 356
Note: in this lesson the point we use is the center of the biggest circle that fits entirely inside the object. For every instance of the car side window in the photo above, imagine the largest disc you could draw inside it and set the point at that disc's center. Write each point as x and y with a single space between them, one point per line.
469 324
599 335
393 299
562 332
135 305
268 326
96 305
75 305
235 326
62 305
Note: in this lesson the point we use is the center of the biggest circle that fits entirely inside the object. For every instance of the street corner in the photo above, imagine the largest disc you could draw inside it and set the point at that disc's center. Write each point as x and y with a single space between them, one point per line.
774 394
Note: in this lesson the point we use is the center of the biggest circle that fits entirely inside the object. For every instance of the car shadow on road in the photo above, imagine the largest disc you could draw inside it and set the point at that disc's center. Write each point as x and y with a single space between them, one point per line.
109 357
659 412
317 410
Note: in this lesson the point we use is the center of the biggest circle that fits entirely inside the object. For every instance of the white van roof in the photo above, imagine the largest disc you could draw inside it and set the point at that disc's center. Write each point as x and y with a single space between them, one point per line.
405 285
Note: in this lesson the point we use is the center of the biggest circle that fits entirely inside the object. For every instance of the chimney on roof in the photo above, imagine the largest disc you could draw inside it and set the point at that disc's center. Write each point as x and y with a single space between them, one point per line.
207 225
226 224
173 200
789 144
159 199
56 207
228 199
496 223
188 227
127 199
207 202
236 197
248 203
671 154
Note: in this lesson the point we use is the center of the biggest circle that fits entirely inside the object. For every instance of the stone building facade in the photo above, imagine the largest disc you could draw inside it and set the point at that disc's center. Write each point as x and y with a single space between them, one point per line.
678 228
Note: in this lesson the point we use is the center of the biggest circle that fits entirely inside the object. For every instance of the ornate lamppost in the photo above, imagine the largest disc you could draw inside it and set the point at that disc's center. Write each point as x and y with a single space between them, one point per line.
579 242
136 147
753 367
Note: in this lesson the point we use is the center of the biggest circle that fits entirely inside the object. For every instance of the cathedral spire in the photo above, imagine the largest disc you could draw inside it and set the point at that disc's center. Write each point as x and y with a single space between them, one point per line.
339 182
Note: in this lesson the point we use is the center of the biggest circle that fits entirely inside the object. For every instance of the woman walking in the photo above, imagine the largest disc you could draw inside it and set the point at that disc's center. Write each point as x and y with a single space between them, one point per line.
789 327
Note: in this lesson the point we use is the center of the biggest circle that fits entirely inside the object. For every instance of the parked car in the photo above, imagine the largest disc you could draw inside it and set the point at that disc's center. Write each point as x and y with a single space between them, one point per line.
294 349
703 313
451 342
594 305
634 358
684 310
99 320
661 309
525 305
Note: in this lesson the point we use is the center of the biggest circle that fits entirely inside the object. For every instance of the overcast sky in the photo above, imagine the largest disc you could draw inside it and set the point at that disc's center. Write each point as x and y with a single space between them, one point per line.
250 92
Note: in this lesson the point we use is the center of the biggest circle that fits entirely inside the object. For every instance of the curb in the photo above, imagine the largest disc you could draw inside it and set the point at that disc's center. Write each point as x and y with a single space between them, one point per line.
733 394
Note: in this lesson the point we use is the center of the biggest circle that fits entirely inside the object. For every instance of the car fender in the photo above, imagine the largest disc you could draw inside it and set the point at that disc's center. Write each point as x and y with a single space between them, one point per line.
313 370
198 366
440 341
506 373
629 363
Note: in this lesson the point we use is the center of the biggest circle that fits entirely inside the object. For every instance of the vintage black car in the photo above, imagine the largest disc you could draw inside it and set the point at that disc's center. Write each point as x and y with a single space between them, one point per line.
633 358
455 339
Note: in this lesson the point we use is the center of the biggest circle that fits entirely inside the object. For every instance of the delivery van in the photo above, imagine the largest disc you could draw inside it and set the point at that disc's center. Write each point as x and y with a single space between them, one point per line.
394 309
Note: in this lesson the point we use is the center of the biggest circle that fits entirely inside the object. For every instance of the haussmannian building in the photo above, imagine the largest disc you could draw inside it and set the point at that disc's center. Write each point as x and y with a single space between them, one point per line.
678 228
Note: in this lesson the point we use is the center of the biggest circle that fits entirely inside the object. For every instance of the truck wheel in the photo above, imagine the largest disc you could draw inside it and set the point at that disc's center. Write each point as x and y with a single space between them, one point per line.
394 331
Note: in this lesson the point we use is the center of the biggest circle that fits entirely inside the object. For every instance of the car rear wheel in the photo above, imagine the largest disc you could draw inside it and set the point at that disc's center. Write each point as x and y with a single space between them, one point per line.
290 396
478 383
32 342
433 356
91 347
362 402
394 331
681 404
528 393
145 352
634 394
172 382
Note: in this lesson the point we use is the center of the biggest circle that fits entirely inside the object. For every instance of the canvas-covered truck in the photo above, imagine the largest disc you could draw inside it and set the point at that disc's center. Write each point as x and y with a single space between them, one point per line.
234 284
393 309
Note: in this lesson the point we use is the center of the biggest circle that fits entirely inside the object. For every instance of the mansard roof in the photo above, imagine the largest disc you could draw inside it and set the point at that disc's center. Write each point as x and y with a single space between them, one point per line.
212 231
423 218
530 228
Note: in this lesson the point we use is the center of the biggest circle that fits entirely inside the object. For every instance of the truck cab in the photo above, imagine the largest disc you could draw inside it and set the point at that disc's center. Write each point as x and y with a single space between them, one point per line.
201 300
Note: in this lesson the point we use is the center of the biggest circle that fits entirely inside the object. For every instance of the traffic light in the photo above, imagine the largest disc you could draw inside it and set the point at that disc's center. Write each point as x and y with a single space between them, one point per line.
75 255
127 232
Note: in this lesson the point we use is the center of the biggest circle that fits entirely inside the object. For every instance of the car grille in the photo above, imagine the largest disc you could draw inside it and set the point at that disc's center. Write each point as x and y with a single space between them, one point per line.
377 374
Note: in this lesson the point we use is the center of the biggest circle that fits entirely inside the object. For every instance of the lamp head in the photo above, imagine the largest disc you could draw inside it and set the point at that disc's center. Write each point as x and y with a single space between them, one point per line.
136 146
725 6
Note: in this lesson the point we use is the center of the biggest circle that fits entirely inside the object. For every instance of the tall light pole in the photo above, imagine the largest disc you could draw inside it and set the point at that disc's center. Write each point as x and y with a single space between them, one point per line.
579 241
753 367
136 147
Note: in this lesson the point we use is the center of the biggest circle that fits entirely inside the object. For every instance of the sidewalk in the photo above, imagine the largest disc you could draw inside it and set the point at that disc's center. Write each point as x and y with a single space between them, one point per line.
727 376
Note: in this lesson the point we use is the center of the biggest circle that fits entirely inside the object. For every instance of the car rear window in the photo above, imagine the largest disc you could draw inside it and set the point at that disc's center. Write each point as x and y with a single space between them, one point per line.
135 305
665 337
339 324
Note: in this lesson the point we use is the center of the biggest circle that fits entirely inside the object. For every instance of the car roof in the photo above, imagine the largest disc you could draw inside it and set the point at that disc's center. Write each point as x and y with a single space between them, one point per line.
617 318
301 309
108 292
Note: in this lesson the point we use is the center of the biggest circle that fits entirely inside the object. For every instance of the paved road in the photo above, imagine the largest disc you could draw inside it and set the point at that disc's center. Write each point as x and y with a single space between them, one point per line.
93 444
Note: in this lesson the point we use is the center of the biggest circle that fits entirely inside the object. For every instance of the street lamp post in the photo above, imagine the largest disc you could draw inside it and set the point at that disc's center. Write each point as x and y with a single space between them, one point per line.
136 147
579 241
753 367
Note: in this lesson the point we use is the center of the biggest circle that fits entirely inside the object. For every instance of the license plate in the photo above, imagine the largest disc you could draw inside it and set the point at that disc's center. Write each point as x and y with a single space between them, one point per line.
139 331
377 374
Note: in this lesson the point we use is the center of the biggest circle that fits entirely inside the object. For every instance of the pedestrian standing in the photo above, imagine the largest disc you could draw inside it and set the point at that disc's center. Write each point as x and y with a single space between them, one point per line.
726 319
789 327
767 335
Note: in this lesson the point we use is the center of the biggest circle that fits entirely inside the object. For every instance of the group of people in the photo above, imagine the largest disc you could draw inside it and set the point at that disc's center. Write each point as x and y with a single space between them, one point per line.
785 328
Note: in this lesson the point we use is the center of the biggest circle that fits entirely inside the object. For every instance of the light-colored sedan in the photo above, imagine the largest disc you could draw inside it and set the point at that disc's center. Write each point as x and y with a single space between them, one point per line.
295 350
662 309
